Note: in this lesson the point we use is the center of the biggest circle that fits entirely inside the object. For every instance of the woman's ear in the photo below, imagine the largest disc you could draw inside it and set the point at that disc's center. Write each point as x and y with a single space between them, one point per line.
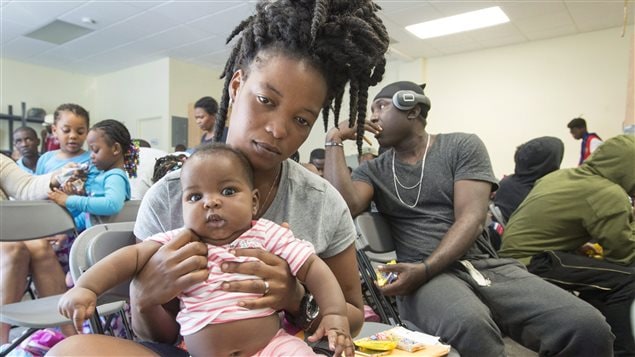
255 200
235 83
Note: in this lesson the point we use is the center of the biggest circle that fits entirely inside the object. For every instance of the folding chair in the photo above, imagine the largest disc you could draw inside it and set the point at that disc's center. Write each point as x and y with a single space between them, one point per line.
375 237
92 245
17 225
127 214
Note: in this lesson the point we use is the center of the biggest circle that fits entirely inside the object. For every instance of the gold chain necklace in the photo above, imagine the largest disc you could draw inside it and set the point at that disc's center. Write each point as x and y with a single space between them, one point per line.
273 184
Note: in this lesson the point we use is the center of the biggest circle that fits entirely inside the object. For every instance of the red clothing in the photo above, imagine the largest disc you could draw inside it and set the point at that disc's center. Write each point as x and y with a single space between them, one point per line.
51 143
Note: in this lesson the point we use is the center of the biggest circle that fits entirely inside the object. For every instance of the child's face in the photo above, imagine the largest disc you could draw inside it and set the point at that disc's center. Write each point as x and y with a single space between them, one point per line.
71 131
103 155
218 203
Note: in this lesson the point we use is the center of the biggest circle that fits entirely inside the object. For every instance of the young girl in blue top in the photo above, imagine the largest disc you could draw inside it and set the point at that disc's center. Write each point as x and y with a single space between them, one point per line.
70 125
113 153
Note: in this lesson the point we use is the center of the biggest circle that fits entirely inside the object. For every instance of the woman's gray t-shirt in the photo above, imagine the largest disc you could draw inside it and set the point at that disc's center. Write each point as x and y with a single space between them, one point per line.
315 211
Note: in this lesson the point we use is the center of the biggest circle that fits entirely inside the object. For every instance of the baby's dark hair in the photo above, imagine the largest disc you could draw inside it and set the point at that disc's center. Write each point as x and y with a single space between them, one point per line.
115 132
209 104
76 109
343 39
217 149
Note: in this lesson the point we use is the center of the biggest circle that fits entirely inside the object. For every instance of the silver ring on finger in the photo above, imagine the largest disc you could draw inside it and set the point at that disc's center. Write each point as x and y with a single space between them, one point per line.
266 288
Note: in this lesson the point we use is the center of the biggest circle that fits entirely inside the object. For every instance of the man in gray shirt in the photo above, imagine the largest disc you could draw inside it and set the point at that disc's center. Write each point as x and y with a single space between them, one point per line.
434 191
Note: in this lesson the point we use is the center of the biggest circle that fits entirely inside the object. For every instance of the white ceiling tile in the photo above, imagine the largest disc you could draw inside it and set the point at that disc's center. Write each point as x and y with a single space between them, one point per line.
10 30
24 47
36 14
186 11
450 8
411 15
174 37
593 16
517 10
97 42
541 34
104 14
507 30
223 23
144 24
198 48
545 22
216 60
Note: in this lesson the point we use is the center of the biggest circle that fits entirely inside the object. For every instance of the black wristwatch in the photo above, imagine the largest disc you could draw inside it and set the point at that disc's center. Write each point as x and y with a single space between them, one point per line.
309 311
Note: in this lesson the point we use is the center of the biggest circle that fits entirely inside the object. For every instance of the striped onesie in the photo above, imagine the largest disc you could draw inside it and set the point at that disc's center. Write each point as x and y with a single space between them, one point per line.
205 303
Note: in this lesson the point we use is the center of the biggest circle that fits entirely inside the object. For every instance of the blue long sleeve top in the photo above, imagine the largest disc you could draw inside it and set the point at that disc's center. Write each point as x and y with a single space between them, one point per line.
106 194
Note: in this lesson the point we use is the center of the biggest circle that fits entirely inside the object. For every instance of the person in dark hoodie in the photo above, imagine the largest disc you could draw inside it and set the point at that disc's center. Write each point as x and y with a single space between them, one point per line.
534 159
570 207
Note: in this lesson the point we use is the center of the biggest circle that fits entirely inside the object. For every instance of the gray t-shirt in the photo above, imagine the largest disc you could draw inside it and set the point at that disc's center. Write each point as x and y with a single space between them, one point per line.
315 211
417 231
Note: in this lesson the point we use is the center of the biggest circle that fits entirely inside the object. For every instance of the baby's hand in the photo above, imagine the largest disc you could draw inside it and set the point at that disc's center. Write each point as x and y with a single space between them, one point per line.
58 197
336 328
78 304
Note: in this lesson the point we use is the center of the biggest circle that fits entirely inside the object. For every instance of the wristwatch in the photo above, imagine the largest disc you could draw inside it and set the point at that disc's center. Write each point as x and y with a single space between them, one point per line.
309 311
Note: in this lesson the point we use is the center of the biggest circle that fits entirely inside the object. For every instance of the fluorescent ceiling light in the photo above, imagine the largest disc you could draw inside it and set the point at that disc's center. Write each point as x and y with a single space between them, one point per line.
459 23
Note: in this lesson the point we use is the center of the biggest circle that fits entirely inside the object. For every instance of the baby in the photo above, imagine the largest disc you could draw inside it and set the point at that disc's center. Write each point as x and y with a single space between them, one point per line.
219 202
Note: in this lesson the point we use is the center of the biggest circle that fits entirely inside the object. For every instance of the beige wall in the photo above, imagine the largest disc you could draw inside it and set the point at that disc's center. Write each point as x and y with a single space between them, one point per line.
512 94
139 97
188 83
40 87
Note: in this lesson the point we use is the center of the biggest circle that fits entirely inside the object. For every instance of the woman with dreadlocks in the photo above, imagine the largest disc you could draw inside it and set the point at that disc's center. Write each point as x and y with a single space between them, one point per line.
291 59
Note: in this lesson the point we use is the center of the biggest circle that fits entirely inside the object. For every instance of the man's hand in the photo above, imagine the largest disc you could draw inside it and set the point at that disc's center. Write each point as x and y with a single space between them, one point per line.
410 277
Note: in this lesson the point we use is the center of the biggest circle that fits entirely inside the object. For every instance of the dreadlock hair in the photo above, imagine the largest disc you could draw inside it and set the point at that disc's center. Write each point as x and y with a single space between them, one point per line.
115 132
343 39
76 109
166 164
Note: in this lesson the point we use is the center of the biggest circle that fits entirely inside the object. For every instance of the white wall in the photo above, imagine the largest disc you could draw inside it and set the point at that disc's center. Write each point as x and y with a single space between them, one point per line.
188 83
40 87
511 94
139 97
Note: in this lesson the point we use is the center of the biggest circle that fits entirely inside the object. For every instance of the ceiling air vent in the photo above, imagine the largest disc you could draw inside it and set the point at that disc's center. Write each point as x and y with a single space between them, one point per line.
59 32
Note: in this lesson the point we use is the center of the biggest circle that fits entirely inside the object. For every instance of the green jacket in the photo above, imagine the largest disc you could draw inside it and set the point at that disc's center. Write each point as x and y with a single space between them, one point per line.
570 207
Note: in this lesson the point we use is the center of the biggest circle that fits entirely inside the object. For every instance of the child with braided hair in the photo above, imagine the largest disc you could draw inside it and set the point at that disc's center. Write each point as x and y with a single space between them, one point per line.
116 157
290 60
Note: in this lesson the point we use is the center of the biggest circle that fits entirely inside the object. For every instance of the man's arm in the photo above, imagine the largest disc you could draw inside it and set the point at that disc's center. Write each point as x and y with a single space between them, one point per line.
470 208
357 194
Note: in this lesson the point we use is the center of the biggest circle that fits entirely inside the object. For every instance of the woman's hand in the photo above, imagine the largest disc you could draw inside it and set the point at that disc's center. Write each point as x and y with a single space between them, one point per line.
284 292
177 265
410 277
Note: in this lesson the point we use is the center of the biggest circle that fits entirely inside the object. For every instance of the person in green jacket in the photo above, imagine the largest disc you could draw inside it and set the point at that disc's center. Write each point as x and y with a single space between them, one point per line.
570 208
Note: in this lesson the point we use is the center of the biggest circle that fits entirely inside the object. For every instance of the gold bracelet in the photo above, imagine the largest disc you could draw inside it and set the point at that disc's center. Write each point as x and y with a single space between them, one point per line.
333 143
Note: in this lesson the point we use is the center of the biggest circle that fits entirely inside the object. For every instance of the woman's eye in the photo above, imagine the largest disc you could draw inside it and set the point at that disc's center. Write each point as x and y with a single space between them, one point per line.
263 99
302 121
228 191
194 197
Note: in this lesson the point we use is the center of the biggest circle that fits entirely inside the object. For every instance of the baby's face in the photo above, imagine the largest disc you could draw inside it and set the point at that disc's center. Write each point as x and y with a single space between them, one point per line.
218 203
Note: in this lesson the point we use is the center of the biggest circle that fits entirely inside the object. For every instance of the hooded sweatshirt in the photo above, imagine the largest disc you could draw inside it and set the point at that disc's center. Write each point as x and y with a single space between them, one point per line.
534 159
570 207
